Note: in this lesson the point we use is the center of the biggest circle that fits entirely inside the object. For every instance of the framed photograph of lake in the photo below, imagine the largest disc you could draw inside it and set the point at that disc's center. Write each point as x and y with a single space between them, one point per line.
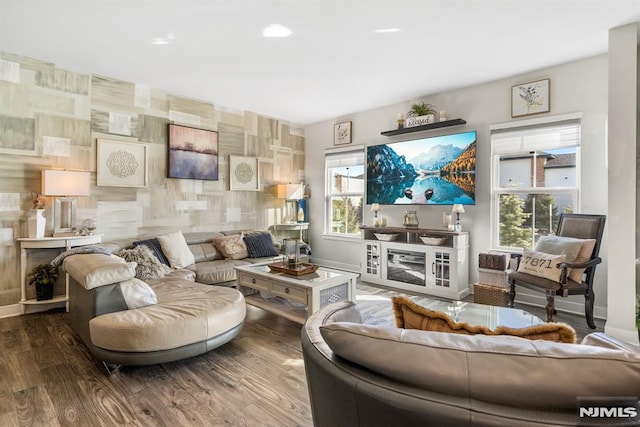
193 153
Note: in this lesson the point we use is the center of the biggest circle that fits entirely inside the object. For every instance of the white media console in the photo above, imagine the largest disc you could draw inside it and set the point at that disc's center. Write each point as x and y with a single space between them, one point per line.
439 267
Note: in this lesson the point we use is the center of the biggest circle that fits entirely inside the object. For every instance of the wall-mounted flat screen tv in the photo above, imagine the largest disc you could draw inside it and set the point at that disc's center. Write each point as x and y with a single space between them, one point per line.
438 170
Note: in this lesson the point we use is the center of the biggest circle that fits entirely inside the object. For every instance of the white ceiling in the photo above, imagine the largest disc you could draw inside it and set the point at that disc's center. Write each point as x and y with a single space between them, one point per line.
332 65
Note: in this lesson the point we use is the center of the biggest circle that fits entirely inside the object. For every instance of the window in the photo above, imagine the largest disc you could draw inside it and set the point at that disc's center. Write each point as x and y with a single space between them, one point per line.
535 175
344 191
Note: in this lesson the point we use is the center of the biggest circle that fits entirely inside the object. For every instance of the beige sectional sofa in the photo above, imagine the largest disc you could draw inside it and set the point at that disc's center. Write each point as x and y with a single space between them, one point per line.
126 321
366 375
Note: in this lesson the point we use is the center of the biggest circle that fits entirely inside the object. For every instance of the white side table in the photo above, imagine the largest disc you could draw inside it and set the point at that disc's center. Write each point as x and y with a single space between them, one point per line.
64 243
288 227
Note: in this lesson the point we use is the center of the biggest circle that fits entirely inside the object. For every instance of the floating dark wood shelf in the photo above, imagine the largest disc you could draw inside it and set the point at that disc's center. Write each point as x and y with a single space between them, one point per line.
430 126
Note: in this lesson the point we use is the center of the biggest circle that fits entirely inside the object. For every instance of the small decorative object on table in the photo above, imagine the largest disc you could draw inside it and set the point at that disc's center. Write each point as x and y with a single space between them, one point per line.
433 240
400 121
302 268
410 219
43 277
386 237
457 209
291 252
375 208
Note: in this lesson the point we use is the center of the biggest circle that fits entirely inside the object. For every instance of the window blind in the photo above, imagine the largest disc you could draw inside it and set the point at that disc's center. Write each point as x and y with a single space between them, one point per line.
537 137
344 158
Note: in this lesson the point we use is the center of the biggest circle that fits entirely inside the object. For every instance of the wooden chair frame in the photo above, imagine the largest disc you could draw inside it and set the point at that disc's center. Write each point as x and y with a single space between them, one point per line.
580 226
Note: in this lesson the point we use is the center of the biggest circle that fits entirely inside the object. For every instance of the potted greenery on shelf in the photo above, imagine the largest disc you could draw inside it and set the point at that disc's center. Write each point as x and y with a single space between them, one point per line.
43 277
421 114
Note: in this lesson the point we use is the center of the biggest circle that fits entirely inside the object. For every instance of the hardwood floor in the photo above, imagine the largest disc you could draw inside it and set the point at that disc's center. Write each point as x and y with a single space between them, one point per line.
47 378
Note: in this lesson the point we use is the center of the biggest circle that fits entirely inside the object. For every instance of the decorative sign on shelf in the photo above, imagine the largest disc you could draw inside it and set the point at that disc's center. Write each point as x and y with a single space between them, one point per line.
420 120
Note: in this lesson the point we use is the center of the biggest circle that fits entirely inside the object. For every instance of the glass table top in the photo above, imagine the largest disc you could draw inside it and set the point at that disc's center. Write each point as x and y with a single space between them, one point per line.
379 309
481 314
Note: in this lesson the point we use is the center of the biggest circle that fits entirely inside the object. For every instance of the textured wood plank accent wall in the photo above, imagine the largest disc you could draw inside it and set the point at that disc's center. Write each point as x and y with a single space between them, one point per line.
48 101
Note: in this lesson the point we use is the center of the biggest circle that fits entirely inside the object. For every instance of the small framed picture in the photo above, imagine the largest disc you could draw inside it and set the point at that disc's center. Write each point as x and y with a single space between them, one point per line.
342 133
530 98
121 164
243 173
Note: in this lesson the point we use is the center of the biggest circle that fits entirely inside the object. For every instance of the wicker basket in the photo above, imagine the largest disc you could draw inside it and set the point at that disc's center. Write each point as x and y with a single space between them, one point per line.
490 295
493 278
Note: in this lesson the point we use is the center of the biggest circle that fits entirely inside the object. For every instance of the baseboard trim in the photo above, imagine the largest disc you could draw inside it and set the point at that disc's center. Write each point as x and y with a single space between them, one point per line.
10 310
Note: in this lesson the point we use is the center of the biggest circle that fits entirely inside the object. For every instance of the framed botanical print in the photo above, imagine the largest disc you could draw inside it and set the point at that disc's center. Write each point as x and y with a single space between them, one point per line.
530 98
243 173
342 133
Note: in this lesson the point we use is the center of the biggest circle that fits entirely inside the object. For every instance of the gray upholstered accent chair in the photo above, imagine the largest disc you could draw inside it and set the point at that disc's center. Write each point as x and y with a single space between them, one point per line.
579 226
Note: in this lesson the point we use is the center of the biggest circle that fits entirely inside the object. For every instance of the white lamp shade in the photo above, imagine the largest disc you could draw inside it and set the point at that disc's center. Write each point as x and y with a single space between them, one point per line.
457 208
290 191
375 207
66 183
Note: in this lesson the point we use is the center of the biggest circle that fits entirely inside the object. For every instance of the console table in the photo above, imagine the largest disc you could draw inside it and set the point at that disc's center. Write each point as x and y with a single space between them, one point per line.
427 261
65 243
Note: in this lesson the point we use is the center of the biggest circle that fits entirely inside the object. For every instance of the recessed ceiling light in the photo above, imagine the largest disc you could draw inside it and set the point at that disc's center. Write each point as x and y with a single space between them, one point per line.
388 30
276 30
164 40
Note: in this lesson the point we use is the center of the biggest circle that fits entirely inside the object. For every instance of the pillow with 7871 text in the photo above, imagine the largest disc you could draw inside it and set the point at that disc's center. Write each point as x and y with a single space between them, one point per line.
541 264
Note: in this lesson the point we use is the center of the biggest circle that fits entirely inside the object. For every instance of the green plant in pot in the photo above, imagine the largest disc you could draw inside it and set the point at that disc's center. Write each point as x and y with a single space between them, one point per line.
43 277
421 109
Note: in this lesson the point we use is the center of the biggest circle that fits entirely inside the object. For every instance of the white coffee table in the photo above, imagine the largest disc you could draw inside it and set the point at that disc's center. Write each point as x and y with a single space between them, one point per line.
296 297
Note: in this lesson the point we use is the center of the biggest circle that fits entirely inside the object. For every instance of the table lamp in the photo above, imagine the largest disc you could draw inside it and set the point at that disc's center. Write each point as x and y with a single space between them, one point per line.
65 185
290 193
457 209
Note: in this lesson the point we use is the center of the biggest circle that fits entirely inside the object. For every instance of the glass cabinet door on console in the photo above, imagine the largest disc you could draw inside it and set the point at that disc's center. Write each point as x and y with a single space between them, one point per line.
442 268
371 260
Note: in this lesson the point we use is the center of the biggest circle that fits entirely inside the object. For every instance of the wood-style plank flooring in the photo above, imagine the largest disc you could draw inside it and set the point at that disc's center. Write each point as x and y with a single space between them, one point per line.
47 378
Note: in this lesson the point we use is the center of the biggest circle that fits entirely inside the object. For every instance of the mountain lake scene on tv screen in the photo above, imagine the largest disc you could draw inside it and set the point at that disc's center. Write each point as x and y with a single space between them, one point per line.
439 170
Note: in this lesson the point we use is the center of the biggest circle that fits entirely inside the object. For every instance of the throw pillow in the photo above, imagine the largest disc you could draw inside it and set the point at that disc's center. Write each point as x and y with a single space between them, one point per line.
149 267
275 241
232 247
176 250
410 315
541 264
558 245
155 247
137 294
260 245
586 250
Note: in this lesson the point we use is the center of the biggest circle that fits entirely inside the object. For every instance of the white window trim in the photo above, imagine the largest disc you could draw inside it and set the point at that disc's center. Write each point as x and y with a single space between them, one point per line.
326 231
495 172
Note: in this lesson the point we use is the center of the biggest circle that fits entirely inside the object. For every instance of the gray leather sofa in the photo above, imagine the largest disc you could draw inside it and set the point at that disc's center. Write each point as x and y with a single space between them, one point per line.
210 267
189 318
365 375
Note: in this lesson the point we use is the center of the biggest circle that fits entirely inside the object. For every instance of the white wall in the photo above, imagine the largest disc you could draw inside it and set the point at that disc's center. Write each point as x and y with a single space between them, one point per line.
579 86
